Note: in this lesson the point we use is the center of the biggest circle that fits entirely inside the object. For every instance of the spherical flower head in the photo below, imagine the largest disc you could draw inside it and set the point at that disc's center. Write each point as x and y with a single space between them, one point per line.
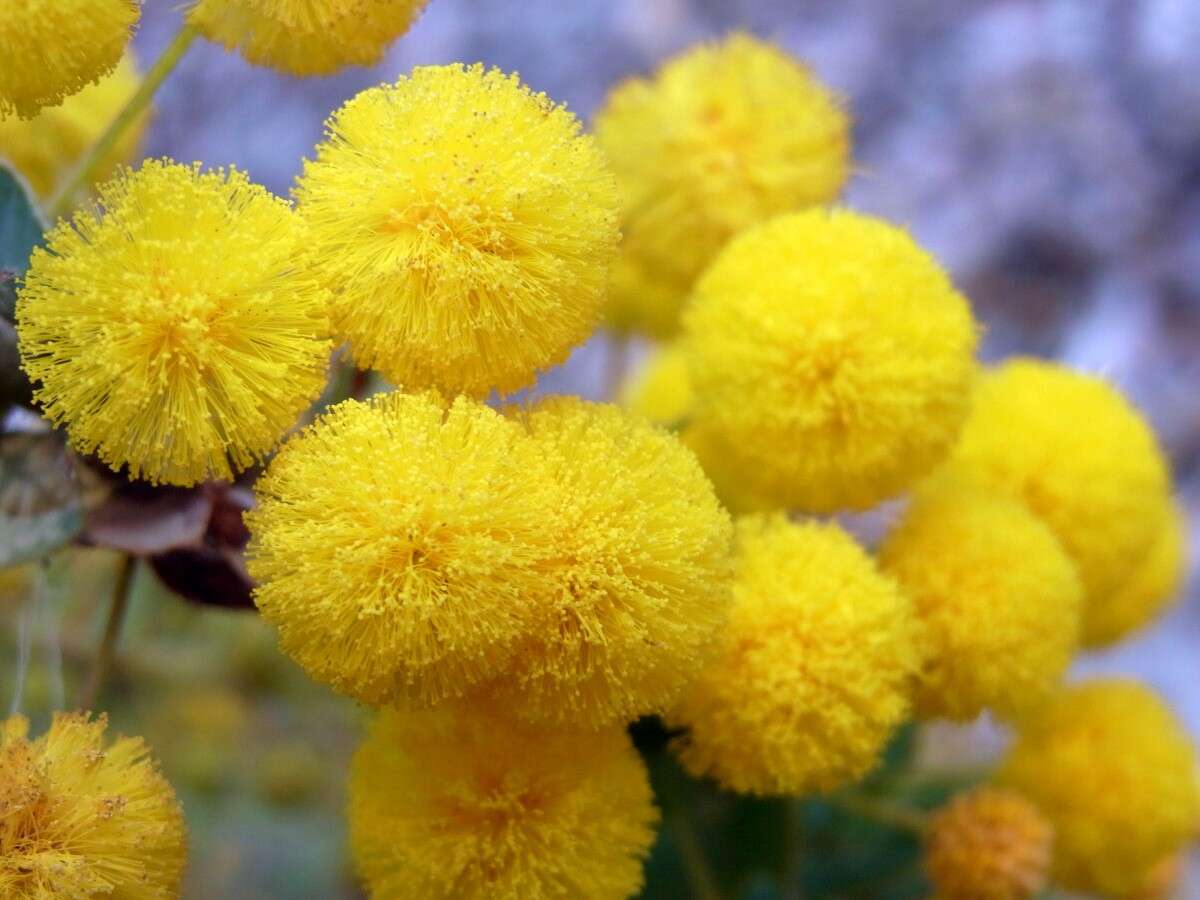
1148 589
661 390
466 225
54 48
732 478
306 37
722 137
176 328
833 355
988 844
465 803
998 599
46 148
397 542
639 583
814 671
82 817
1115 774
1080 456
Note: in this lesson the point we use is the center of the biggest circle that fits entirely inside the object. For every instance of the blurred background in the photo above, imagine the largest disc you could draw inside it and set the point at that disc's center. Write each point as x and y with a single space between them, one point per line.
1047 151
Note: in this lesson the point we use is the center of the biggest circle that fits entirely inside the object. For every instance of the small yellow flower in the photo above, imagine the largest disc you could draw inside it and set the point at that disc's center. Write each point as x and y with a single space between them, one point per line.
723 137
46 148
466 227
1148 588
833 356
638 586
306 37
661 390
175 329
1115 774
814 671
998 598
52 49
398 543
463 803
989 844
79 818
1082 458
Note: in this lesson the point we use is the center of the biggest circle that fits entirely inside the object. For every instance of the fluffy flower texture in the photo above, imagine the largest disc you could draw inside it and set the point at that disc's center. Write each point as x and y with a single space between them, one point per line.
79 819
176 329
815 668
989 844
466 225
1081 457
1147 589
639 583
46 148
54 48
721 138
833 355
998 598
661 390
466 803
1115 773
306 37
398 542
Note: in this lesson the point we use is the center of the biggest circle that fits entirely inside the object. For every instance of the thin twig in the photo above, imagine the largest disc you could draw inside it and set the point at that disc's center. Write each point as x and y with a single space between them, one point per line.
616 363
86 168
112 631
704 883
902 818
793 851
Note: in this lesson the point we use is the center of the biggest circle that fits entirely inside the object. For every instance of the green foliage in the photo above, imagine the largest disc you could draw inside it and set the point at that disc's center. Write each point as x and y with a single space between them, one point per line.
40 506
21 224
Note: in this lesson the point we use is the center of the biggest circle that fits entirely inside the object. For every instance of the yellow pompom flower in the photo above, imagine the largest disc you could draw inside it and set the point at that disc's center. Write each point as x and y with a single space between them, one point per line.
989 844
466 227
45 148
1081 457
465 803
998 599
1115 774
661 390
814 670
306 37
638 585
54 48
397 542
81 817
1147 589
176 329
723 137
833 355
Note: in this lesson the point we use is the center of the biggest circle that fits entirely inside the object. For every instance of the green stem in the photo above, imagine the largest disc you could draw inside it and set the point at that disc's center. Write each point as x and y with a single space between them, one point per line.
704 884
112 631
85 170
902 818
793 851
616 364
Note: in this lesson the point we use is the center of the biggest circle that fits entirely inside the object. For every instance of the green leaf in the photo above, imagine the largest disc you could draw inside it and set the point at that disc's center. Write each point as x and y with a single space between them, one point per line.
40 506
21 223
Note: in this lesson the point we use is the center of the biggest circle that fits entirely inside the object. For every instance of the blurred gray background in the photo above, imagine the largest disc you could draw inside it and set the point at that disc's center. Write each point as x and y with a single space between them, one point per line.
1048 151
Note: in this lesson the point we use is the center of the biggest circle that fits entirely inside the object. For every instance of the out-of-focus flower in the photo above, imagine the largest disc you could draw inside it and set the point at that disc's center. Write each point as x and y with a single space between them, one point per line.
1082 458
723 137
815 667
1148 589
1115 773
662 389
44 149
466 803
638 585
833 355
177 329
54 48
997 596
398 543
988 844
79 818
466 226
306 37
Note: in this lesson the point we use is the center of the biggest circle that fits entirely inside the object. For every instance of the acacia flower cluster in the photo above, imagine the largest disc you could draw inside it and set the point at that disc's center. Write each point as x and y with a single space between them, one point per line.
509 586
